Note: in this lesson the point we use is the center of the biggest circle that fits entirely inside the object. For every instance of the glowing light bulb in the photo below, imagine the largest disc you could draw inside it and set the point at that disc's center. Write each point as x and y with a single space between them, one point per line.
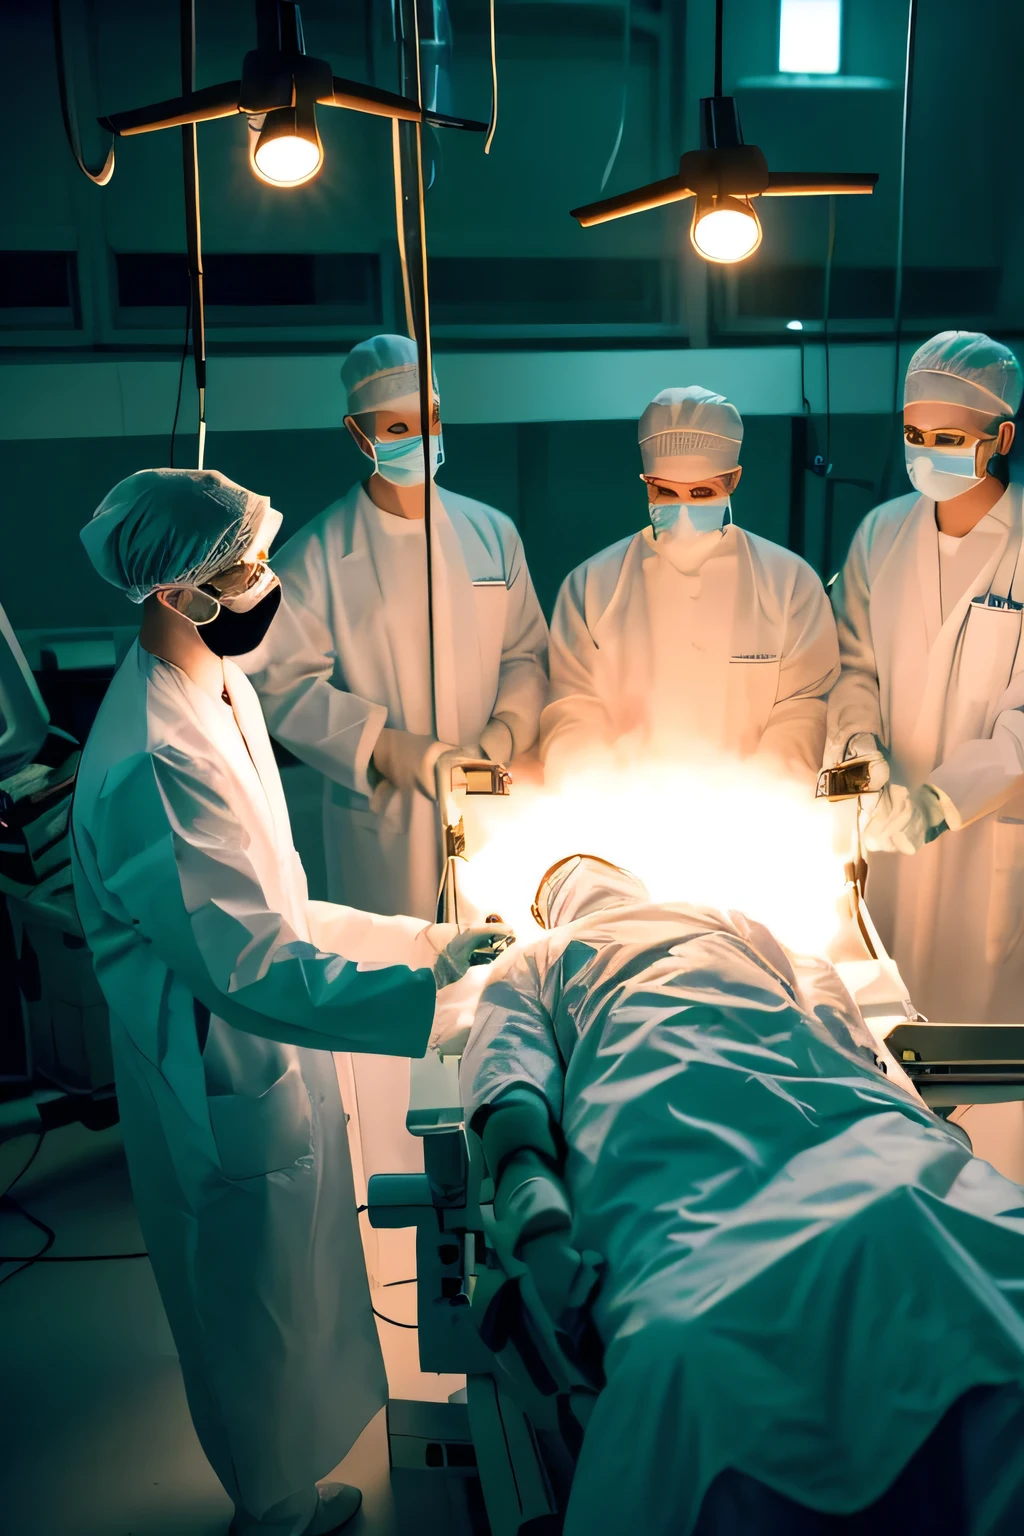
725 229
794 325
287 161
284 146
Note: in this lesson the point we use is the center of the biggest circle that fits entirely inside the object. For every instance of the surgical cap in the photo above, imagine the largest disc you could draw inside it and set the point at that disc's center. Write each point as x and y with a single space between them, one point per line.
173 527
581 885
382 374
965 368
689 434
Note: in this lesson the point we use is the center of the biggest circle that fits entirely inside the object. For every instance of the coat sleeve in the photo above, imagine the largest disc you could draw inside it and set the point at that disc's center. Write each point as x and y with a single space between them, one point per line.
523 676
576 725
853 704
513 1042
173 856
333 731
979 777
795 733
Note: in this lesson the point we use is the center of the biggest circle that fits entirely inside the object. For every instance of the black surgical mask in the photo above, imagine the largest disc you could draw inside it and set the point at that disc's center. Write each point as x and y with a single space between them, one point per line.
235 634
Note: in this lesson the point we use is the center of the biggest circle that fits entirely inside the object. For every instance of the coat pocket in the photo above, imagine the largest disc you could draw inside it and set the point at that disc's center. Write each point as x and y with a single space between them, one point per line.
263 1133
490 600
1005 925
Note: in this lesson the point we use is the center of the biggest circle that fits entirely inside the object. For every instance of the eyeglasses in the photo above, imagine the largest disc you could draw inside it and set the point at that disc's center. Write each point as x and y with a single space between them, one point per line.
201 605
945 437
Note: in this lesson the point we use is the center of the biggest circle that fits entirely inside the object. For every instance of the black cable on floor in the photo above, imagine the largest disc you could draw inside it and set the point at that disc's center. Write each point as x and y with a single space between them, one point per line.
19 1176
19 1259
25 1261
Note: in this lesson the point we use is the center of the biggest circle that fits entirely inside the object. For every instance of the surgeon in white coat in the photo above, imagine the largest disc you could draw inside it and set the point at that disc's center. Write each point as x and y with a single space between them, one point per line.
344 678
228 989
928 607
692 637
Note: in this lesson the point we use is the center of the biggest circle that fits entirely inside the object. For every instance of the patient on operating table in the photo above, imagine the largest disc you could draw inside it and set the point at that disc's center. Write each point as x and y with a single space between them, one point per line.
811 1295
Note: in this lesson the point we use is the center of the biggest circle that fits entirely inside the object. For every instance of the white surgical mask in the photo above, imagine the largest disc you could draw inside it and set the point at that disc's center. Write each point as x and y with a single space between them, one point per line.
689 520
941 474
401 462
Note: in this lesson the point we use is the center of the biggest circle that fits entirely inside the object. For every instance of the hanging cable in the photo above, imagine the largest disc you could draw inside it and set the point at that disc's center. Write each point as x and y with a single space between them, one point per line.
193 230
627 28
181 375
897 311
492 126
101 177
718 47
403 255
828 310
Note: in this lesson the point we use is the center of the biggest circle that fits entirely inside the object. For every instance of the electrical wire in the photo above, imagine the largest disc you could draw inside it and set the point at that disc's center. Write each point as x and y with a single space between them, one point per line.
897 314
22 1262
718 47
32 1157
492 126
627 28
181 373
101 177
825 320
393 1320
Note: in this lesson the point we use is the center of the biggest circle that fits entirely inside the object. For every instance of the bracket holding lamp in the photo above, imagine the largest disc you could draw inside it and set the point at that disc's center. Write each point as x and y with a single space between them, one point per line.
282 86
723 175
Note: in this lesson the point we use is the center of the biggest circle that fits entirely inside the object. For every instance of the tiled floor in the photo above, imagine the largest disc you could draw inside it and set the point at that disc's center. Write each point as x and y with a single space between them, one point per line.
96 1437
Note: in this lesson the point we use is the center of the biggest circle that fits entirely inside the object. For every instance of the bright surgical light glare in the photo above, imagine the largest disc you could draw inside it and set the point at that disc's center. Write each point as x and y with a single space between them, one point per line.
794 325
288 162
287 151
725 231
809 34
721 834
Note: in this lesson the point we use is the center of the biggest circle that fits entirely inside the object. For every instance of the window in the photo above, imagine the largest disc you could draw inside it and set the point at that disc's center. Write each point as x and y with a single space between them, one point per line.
809 37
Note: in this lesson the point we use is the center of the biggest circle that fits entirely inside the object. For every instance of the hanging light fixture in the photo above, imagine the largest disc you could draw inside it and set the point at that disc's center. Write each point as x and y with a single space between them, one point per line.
280 90
724 176
724 228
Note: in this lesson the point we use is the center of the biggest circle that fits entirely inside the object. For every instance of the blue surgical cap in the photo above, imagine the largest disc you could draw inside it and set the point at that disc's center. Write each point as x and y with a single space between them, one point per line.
171 527
382 373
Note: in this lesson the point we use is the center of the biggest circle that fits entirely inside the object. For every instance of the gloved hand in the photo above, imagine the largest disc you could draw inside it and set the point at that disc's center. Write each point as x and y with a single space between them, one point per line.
496 740
407 761
903 820
455 950
866 744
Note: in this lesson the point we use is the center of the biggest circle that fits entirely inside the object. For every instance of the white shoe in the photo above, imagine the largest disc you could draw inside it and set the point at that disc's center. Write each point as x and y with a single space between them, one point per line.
338 1503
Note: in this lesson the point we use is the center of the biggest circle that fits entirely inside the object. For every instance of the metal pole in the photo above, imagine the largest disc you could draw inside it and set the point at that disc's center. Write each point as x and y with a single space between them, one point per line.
193 232
412 236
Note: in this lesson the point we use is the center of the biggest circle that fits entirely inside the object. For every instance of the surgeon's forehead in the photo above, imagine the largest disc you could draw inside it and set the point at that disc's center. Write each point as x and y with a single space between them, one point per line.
929 415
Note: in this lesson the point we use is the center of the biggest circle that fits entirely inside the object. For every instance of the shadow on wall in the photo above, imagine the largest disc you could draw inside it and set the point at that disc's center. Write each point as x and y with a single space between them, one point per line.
572 488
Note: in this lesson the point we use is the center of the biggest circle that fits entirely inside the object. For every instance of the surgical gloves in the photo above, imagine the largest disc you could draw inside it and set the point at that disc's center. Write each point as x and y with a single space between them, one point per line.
496 740
903 820
408 761
456 949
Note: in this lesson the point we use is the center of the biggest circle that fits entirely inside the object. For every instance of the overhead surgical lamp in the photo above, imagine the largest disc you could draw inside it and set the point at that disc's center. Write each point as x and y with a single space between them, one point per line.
723 175
285 149
282 87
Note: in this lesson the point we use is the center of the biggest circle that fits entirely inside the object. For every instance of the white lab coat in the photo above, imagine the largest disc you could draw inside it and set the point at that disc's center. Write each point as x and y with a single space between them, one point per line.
348 654
734 656
227 995
946 699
